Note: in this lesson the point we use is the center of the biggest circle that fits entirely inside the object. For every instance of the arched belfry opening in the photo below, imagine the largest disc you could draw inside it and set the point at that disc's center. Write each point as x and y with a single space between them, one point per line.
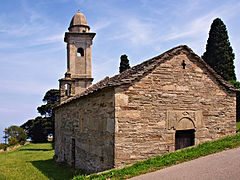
80 52
185 133
67 89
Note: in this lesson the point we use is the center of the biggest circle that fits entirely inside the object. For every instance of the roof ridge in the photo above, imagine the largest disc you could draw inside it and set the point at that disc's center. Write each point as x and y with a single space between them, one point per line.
137 71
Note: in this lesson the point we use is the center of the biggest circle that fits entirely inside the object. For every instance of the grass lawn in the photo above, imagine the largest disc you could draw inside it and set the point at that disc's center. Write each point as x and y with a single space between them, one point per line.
33 161
238 126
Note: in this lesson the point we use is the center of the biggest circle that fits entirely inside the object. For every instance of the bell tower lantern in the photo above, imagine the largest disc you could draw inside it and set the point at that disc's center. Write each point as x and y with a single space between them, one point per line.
79 58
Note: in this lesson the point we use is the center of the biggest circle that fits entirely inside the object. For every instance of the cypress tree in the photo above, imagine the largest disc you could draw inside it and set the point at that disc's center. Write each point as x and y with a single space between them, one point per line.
124 63
219 53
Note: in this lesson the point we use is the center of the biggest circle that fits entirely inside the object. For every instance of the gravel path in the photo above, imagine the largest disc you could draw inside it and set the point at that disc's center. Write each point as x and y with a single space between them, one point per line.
221 166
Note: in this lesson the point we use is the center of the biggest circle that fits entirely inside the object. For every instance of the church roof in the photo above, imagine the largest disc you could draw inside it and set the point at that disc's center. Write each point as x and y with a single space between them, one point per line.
137 72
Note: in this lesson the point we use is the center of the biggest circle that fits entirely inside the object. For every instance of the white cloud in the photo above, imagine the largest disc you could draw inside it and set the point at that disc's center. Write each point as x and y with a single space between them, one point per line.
101 24
24 87
138 32
54 38
194 28
4 45
103 69
8 110
20 30
201 25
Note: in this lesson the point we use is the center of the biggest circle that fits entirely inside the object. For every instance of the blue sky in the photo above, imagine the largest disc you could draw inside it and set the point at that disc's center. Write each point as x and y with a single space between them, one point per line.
33 53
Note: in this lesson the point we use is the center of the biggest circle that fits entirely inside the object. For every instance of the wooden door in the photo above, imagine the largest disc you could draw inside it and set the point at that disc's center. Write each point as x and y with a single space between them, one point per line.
184 138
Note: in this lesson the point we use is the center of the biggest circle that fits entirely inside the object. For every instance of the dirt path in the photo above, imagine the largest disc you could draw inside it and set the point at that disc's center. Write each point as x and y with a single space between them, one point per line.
220 166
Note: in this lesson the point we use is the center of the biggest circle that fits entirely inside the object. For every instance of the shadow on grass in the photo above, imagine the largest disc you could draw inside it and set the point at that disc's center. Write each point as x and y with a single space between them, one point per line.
32 149
53 145
53 170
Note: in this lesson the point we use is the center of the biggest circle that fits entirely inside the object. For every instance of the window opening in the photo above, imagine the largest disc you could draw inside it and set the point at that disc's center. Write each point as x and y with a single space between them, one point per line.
184 64
67 89
80 52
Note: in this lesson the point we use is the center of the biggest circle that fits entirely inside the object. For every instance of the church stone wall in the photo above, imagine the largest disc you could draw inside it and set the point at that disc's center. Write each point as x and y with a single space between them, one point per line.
148 113
89 124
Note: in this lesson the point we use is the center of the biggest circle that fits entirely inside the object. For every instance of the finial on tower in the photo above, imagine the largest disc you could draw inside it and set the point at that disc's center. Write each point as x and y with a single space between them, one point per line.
79 11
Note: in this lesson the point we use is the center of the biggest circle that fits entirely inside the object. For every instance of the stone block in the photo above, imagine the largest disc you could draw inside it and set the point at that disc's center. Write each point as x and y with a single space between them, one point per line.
169 88
182 88
121 100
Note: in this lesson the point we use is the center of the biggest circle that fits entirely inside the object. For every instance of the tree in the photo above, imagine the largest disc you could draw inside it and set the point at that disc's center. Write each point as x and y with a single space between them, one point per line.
51 98
41 127
27 126
219 53
16 134
124 63
37 131
12 140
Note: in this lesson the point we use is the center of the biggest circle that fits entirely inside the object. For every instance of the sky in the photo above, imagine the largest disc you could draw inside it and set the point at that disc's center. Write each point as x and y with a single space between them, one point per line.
33 53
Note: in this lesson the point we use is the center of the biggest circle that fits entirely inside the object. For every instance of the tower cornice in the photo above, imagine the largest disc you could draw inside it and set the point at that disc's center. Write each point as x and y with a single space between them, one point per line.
74 34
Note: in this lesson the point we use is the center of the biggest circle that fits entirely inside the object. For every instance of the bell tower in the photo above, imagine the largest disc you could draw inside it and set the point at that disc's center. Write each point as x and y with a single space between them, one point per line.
79 58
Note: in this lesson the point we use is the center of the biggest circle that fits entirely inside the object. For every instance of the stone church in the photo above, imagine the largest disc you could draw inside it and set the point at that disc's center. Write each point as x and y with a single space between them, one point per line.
168 102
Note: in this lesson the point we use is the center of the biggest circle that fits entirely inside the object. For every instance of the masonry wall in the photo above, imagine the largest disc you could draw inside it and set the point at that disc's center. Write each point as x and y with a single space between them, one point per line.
90 123
148 112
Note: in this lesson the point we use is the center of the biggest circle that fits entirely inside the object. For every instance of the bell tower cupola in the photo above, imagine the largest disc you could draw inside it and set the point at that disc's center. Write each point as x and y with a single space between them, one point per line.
79 58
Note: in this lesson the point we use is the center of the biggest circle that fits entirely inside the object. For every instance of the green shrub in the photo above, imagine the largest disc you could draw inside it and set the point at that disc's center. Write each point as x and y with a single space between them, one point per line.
238 126
17 132
2 145
12 141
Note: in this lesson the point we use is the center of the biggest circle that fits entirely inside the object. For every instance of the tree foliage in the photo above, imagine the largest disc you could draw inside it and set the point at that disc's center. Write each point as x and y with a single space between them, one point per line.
12 140
41 127
36 129
219 53
51 98
38 132
236 84
124 63
16 134
27 126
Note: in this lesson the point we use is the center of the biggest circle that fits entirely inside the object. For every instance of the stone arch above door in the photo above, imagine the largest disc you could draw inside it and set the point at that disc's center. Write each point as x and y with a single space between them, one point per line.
185 124
183 120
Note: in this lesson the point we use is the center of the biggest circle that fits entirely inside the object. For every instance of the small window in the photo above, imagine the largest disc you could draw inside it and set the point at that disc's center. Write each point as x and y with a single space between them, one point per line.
67 89
80 52
184 64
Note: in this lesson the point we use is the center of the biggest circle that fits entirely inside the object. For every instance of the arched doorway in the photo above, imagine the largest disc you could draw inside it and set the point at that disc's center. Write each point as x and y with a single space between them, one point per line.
184 138
185 133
